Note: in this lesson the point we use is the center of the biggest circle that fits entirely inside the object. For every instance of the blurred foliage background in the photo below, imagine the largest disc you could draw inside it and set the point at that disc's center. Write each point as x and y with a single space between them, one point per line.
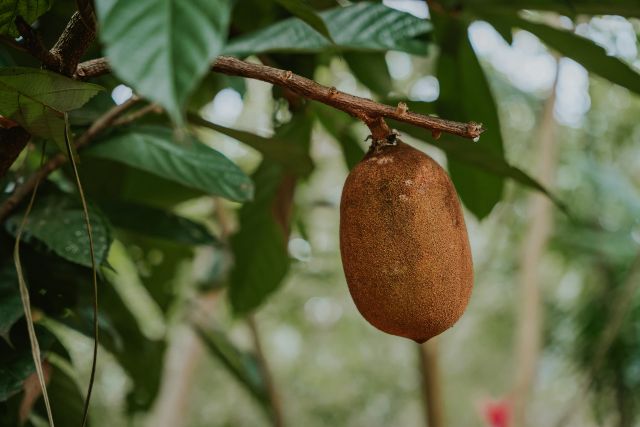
222 297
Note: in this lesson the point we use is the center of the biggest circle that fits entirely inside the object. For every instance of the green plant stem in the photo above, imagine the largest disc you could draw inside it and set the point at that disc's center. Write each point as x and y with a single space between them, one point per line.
94 271
26 301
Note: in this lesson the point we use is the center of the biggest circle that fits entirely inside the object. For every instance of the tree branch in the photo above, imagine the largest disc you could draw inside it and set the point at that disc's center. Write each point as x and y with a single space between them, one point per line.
58 160
62 58
33 44
365 109
72 44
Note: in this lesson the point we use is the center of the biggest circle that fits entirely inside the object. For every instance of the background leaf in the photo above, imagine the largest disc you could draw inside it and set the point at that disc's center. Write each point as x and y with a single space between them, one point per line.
194 165
584 51
37 99
305 12
465 95
175 41
339 124
10 303
30 10
362 26
294 157
242 365
158 223
370 68
16 361
260 246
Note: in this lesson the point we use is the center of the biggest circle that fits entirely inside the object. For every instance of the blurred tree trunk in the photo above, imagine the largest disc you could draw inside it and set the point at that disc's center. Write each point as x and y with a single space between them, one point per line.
277 414
529 307
431 383
183 357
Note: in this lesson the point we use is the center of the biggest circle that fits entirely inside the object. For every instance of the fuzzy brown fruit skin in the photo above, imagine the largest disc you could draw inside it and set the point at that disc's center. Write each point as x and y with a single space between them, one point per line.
404 245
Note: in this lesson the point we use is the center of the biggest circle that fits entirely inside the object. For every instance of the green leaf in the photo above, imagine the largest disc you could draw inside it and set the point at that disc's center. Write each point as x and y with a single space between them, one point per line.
242 365
38 99
16 362
30 10
130 184
339 124
57 222
65 393
260 246
192 164
295 157
584 51
158 223
305 12
10 304
141 357
362 26
175 41
370 68
459 72
5 58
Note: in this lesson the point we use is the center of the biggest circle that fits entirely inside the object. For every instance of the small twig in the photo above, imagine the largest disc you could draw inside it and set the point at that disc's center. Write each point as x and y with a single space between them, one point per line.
365 109
12 43
58 160
132 117
92 68
33 44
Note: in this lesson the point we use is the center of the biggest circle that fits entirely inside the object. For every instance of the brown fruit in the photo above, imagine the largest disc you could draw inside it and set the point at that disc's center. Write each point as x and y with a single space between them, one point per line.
404 245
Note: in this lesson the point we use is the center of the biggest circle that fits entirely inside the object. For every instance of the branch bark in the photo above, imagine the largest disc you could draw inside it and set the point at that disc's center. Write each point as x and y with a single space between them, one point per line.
370 112
72 44
62 58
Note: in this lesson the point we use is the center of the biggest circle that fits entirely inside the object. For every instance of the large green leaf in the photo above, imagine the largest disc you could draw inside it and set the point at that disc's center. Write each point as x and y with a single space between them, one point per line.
158 223
192 164
173 43
370 68
30 10
293 156
260 246
362 26
57 222
38 99
302 10
591 56
130 184
465 95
